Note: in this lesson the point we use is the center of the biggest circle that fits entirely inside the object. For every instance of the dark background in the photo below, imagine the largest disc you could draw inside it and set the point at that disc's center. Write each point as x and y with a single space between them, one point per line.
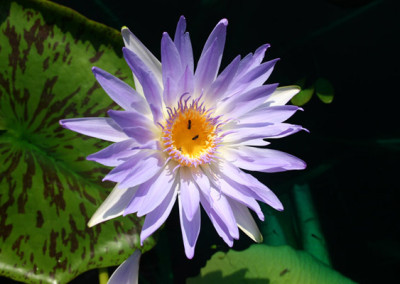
355 45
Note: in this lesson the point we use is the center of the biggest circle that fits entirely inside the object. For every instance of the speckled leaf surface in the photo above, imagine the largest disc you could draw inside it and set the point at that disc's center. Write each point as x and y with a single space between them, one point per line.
267 264
48 191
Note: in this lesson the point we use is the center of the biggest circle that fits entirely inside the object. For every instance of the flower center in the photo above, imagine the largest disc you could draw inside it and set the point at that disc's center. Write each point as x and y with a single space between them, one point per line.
190 134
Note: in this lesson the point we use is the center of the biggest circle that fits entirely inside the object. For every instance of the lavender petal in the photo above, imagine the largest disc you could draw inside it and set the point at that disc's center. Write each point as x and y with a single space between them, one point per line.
190 229
98 127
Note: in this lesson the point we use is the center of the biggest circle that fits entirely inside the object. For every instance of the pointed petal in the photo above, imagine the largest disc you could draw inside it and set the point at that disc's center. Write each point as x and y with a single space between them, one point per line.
190 229
258 75
99 127
158 188
206 70
185 83
263 160
217 222
210 180
252 79
113 206
179 32
189 194
120 92
254 142
135 125
282 95
237 192
217 90
210 58
140 134
158 216
200 179
170 92
266 113
138 169
151 87
174 90
251 61
184 45
135 45
115 154
170 58
261 192
186 52
246 222
219 33
221 207
238 105
249 132
130 118
128 271
136 201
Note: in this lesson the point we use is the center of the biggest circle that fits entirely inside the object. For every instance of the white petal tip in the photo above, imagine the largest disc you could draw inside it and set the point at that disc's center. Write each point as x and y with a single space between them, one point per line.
224 22
294 89
92 223
189 253
253 233
128 271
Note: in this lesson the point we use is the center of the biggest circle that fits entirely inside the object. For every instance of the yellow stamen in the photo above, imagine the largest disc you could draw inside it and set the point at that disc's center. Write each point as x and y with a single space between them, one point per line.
190 135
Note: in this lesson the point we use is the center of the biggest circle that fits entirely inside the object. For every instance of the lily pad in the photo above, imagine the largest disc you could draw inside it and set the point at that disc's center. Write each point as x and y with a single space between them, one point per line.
267 264
48 191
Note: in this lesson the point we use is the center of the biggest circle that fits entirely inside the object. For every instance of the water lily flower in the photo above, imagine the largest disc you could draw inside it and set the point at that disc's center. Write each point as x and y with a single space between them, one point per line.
187 132
128 271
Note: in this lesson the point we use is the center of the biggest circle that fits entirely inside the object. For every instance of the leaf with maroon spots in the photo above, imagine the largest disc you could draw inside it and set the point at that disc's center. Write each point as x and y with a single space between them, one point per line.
48 191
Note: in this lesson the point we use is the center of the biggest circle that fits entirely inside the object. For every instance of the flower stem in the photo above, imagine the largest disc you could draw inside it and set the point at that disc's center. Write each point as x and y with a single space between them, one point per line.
103 275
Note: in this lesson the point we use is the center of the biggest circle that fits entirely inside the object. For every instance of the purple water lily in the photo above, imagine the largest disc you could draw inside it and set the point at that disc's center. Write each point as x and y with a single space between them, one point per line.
186 133
128 271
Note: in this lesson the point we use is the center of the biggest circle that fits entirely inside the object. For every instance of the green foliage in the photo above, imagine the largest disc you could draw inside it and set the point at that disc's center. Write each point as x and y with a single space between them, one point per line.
297 225
48 191
304 95
312 238
294 249
324 90
321 87
266 264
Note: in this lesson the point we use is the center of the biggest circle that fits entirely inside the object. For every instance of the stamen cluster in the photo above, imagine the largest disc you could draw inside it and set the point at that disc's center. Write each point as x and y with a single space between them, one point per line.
190 134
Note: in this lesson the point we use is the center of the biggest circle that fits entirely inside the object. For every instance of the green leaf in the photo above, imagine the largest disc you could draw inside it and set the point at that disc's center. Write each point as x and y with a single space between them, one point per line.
266 264
48 191
313 240
278 228
324 90
304 95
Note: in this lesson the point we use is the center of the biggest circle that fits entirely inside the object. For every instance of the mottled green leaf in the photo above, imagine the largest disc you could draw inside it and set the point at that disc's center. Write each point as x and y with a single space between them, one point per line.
48 191
324 90
267 264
